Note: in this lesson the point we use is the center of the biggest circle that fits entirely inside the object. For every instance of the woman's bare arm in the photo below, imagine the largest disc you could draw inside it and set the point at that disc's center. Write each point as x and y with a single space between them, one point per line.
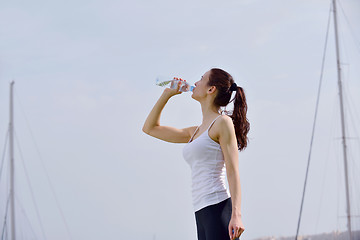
228 143
152 125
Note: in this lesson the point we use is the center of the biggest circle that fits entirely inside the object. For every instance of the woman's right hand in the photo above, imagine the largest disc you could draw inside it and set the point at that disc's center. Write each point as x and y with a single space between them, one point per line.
152 125
172 92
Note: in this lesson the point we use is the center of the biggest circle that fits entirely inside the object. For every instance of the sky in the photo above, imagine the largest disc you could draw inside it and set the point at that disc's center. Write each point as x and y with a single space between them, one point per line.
85 73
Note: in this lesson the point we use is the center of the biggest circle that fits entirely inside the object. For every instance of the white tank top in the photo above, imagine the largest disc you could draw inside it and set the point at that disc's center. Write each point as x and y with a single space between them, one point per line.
208 172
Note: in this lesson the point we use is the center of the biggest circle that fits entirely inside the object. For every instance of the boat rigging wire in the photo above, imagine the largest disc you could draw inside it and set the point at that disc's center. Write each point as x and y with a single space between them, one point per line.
5 218
30 187
45 170
325 169
357 42
24 213
353 116
4 153
314 123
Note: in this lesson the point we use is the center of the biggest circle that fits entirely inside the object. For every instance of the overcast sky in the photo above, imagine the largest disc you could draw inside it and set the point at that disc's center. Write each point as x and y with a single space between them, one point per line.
85 75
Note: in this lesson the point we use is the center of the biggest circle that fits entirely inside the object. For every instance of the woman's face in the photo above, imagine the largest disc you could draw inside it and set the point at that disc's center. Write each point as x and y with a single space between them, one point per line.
201 87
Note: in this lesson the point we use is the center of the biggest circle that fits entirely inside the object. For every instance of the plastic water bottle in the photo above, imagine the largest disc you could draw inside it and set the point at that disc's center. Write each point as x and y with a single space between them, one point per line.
166 82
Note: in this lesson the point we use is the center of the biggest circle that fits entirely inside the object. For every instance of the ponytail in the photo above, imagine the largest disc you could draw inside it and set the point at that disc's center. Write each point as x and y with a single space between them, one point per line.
225 85
241 123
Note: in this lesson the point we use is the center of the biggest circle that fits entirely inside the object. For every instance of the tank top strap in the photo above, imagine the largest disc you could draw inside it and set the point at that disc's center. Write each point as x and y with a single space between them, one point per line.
213 122
194 134
192 137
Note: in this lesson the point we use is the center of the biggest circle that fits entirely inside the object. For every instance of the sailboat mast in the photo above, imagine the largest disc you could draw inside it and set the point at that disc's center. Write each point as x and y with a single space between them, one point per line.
11 152
342 121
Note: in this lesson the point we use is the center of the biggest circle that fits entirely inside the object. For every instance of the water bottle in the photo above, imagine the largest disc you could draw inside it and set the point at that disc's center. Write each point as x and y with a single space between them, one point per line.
165 82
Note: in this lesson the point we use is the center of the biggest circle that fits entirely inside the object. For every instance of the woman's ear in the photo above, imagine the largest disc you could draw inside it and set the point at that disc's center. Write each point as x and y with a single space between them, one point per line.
212 89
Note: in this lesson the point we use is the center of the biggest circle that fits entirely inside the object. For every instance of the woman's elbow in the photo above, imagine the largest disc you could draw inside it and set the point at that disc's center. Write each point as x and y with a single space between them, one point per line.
146 129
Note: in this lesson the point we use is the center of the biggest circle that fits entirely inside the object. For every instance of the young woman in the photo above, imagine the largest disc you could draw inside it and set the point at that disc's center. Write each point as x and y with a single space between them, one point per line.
211 151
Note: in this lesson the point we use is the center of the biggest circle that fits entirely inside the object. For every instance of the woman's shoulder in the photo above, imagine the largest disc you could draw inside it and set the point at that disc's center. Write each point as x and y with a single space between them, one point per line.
225 124
222 125
225 121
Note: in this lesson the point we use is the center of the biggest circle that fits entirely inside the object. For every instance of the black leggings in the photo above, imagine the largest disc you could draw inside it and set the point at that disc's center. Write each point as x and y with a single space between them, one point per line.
212 222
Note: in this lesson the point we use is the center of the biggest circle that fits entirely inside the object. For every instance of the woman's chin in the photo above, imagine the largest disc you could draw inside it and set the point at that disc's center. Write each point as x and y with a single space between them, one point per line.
193 97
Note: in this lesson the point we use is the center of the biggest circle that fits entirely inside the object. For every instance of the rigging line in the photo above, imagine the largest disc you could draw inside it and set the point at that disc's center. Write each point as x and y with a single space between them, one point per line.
356 144
357 42
327 160
314 124
1 168
45 170
26 217
5 232
342 45
30 187
339 182
353 182
351 109
4 153
6 212
354 131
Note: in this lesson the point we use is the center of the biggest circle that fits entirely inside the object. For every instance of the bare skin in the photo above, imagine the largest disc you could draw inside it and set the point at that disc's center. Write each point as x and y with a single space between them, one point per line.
221 132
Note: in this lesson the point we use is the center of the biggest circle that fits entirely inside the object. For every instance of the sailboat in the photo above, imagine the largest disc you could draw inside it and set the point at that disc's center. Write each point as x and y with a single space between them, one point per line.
350 234
9 225
9 230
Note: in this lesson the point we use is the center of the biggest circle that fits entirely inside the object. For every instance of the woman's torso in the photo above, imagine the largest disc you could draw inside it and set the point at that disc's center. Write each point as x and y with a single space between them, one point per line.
207 164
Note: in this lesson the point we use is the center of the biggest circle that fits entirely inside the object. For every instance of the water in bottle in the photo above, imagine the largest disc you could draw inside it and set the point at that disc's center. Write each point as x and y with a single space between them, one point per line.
172 83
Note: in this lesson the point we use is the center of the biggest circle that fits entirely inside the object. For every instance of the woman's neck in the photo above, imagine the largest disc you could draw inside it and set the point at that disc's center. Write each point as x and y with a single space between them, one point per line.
209 112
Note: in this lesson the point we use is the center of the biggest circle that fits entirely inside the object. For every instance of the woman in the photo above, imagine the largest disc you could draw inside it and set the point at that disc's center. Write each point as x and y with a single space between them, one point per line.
211 151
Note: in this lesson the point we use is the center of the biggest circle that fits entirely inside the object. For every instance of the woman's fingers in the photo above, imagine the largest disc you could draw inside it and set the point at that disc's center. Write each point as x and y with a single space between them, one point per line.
174 88
235 232
178 84
231 232
238 232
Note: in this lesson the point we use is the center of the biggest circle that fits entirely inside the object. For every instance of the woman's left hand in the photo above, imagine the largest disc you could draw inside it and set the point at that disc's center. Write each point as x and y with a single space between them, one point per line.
236 227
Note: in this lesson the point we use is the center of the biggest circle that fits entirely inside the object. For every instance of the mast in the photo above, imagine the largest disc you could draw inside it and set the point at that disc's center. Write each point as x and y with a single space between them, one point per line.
11 151
342 122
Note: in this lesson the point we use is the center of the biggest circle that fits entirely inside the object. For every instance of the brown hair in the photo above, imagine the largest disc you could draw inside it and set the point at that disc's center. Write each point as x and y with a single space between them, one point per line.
224 83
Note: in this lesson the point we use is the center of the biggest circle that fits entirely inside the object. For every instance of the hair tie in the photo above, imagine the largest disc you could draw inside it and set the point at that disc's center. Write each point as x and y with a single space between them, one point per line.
233 87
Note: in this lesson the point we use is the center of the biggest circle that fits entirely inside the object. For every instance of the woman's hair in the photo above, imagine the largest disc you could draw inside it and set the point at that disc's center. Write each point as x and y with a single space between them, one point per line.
224 83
